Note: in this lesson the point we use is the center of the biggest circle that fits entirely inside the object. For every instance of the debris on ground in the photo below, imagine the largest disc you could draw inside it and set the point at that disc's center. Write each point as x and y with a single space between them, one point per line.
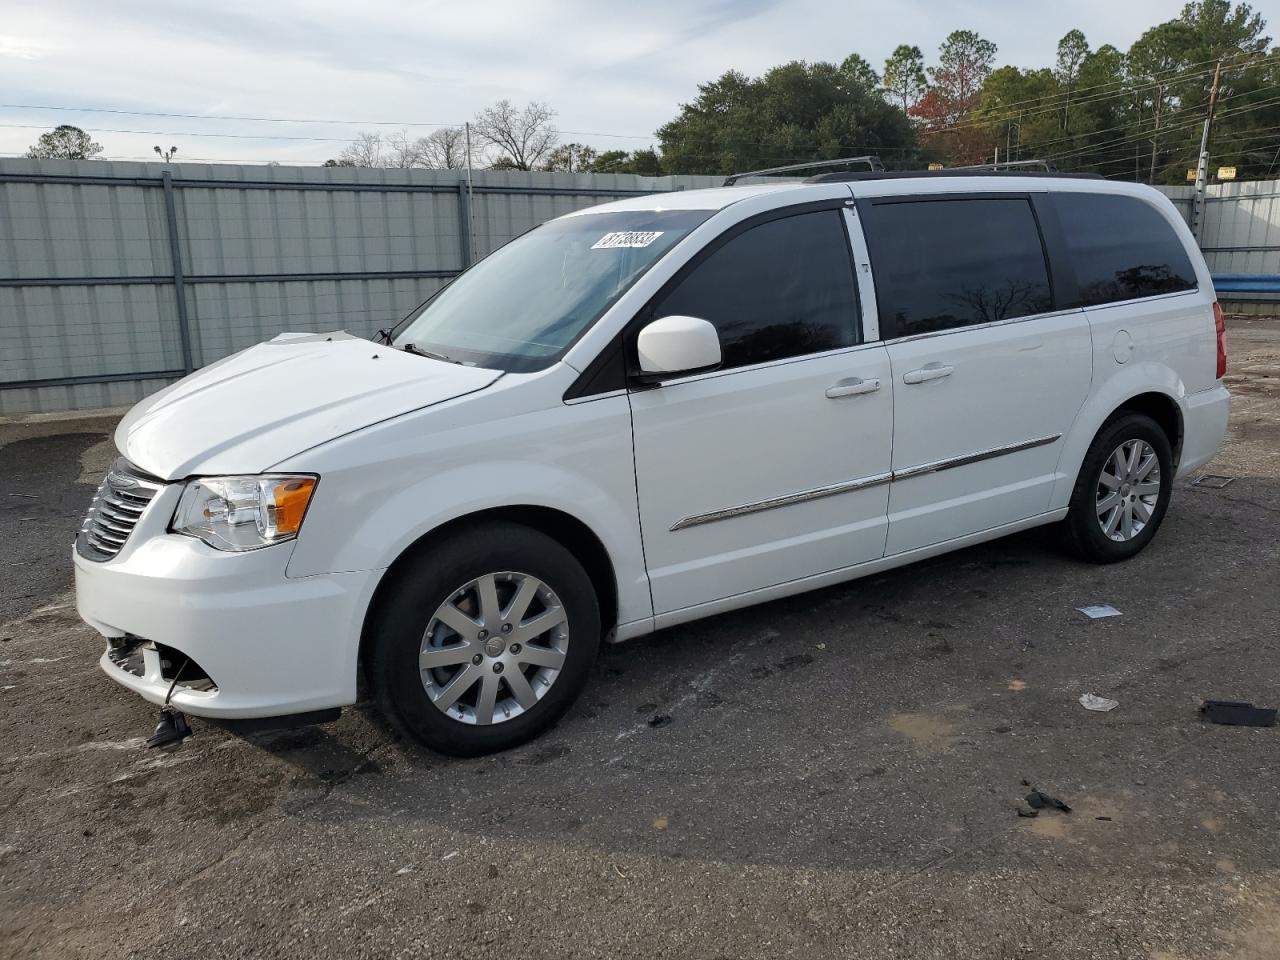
1235 714
659 719
1098 704
1037 800
172 728
1211 480
1099 610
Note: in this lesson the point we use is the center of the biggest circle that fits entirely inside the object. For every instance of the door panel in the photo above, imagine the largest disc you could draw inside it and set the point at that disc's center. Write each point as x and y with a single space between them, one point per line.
753 477
999 396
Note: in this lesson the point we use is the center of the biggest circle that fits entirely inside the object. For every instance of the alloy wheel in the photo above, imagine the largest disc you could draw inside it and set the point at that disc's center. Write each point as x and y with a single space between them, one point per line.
1128 490
493 648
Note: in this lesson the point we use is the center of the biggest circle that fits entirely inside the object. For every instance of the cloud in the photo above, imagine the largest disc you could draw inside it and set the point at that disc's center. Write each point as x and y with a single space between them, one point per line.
606 69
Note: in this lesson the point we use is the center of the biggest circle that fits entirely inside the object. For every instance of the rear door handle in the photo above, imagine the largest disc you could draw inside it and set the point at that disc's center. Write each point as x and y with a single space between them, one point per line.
851 387
930 371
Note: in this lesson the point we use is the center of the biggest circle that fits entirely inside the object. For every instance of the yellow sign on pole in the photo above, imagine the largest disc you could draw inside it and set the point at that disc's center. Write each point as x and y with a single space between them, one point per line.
1226 173
1191 175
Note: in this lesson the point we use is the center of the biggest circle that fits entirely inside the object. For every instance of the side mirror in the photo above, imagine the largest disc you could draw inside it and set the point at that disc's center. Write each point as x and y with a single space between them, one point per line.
675 345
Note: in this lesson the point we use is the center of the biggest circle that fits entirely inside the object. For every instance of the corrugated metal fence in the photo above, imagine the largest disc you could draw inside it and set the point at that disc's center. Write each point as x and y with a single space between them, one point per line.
115 278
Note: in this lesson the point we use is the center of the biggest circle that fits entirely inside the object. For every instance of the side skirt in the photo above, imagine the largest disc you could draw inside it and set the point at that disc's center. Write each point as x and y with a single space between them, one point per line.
638 628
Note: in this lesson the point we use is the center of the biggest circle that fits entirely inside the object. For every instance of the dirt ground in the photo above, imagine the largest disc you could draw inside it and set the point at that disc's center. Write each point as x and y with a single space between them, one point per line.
839 777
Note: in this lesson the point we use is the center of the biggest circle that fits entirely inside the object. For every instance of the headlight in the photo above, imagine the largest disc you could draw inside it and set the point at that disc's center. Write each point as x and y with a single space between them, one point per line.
243 513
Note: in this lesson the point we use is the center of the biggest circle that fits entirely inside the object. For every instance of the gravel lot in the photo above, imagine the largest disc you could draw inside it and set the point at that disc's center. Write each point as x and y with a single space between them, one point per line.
839 776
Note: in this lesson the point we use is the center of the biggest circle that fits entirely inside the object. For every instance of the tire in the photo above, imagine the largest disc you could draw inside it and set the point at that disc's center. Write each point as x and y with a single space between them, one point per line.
1108 469
491 569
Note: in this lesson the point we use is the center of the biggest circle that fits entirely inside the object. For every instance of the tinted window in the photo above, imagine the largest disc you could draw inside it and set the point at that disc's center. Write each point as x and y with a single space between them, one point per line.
1122 248
952 263
781 289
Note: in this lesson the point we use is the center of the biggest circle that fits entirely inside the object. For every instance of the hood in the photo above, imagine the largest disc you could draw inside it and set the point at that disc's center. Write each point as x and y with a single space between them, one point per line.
263 405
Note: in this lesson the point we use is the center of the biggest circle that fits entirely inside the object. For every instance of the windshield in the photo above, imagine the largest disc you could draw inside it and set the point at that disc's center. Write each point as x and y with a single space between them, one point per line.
521 307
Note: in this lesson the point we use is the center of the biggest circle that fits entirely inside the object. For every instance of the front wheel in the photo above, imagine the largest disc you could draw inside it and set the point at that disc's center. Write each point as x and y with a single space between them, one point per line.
484 641
1122 492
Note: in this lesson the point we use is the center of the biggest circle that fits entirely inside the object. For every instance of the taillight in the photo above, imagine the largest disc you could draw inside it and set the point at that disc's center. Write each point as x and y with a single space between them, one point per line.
1221 326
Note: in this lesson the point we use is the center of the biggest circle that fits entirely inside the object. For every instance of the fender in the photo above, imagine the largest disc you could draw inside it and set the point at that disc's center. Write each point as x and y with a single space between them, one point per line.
384 488
1123 384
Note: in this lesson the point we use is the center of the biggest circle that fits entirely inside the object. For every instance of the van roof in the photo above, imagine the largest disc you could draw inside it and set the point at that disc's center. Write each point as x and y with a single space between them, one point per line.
710 198
871 185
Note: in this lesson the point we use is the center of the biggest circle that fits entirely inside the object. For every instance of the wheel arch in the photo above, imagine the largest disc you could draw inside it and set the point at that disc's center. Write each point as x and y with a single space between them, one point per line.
1161 408
1148 388
567 530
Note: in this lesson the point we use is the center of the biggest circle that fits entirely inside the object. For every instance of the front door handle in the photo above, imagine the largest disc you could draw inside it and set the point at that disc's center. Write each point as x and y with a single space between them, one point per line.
852 387
930 371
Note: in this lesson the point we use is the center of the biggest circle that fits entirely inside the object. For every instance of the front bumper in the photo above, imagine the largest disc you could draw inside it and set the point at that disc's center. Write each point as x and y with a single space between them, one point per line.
271 645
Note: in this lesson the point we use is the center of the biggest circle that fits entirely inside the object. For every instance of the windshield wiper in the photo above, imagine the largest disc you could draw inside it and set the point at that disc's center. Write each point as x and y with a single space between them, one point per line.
411 347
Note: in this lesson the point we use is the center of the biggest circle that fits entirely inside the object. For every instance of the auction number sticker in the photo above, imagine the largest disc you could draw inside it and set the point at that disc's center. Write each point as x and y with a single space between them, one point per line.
627 238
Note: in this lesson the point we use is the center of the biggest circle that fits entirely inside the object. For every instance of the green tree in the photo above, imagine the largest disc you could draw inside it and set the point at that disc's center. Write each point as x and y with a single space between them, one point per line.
569 158
793 113
644 162
64 142
1073 48
964 62
859 72
904 76
948 109
1154 62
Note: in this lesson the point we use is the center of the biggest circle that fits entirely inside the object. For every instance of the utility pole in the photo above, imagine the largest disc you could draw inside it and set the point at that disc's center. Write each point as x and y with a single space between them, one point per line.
471 219
1155 133
1202 166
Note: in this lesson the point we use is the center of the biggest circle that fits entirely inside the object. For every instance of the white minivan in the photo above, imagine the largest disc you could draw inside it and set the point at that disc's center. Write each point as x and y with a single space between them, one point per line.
644 413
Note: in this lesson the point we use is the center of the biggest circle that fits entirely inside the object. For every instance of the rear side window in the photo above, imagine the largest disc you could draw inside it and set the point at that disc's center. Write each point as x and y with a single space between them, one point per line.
1121 248
946 263
781 289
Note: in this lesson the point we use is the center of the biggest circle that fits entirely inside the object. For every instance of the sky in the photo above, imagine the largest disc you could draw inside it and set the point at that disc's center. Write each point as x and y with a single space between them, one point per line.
612 75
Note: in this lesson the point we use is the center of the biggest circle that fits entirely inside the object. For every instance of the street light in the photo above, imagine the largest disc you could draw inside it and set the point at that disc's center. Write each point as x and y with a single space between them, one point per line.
167 155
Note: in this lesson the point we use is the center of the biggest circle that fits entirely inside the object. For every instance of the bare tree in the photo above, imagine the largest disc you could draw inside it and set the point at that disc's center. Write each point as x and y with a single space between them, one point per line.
365 151
524 136
402 152
444 149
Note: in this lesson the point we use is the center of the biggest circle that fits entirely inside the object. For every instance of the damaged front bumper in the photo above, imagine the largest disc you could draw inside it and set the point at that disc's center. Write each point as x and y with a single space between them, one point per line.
255 643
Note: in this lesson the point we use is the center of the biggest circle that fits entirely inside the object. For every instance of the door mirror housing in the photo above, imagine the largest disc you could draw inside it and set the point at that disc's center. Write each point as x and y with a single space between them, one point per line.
676 345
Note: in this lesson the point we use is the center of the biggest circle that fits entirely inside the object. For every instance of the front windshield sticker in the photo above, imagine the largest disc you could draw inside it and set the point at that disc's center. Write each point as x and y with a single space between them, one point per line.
626 238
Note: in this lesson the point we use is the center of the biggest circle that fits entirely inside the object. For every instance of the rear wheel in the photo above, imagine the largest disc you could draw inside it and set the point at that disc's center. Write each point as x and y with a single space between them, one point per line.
485 641
1123 490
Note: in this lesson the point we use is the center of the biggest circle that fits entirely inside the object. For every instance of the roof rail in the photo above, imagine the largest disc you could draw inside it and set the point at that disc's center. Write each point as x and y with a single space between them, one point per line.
1044 165
872 161
951 172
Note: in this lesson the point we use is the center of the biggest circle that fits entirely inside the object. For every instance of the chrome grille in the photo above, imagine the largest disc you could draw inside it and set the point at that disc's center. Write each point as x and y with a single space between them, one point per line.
116 508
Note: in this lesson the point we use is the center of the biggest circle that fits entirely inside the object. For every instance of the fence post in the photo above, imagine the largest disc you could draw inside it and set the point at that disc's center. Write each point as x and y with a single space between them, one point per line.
464 223
179 287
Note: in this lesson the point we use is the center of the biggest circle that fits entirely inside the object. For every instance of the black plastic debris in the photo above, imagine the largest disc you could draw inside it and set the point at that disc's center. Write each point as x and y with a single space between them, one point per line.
1235 714
1042 801
172 728
1027 812
659 719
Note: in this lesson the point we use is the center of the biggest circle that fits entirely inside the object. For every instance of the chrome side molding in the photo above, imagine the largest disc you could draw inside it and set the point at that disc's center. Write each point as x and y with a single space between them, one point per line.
939 465
863 483
773 503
